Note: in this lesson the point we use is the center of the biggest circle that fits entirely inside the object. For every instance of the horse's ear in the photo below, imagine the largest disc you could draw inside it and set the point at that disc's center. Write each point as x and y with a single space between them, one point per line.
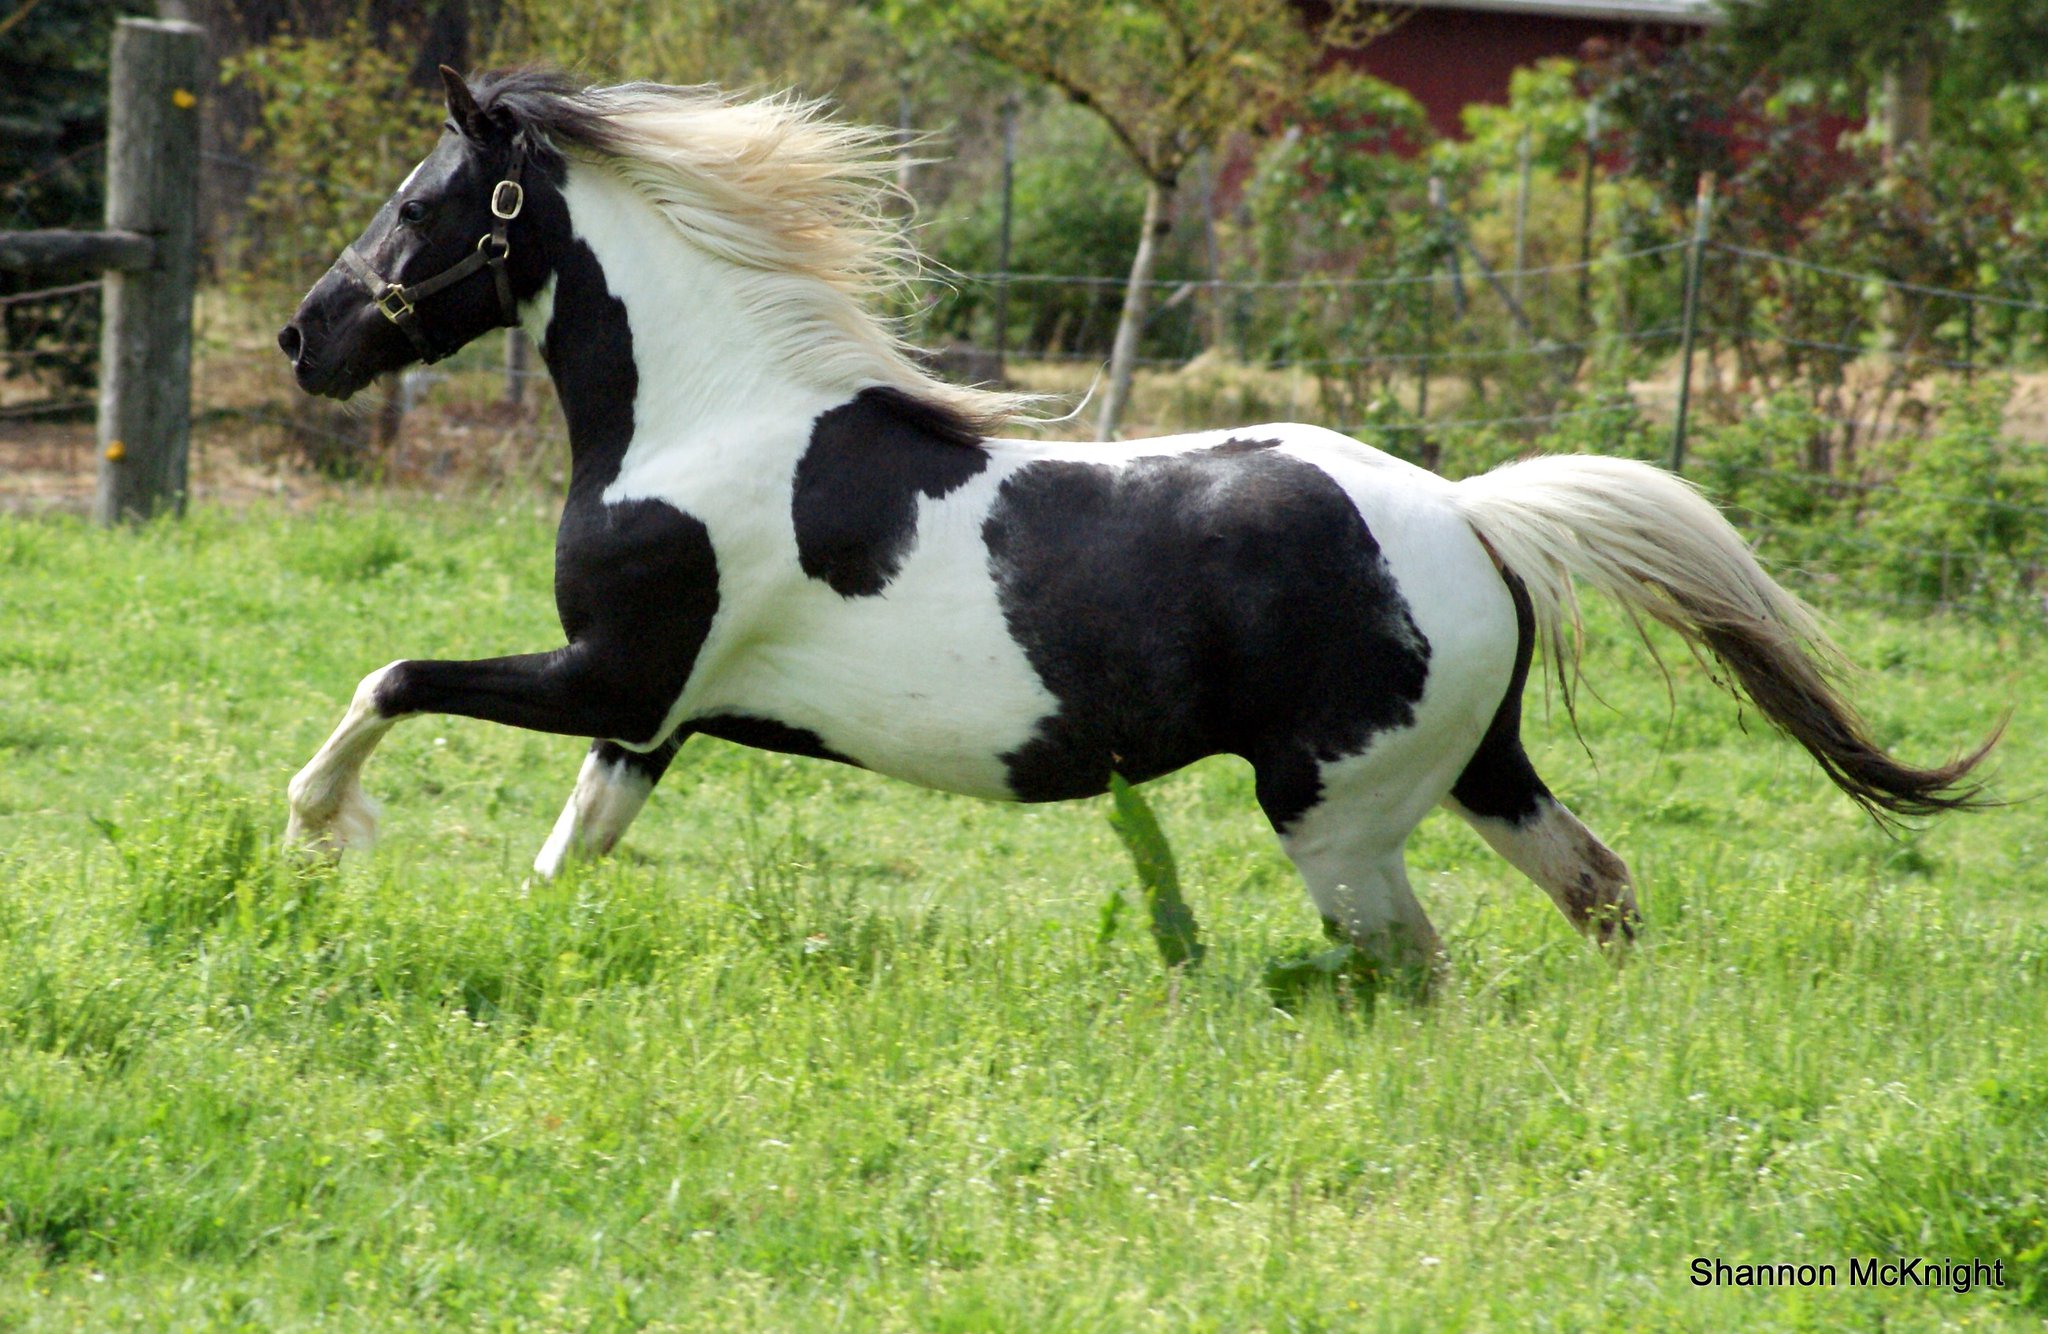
462 107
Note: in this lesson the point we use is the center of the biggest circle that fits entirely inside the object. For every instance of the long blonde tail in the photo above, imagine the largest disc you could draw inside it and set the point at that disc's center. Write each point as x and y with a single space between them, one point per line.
1648 539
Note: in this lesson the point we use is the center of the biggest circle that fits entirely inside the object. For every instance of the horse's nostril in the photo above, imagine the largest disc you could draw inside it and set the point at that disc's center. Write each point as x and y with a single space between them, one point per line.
292 344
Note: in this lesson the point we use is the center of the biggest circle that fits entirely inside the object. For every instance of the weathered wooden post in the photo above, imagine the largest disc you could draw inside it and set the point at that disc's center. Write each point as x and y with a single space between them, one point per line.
517 361
159 73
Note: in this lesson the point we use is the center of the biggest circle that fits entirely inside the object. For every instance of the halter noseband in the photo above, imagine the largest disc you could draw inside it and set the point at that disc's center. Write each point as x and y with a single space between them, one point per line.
398 301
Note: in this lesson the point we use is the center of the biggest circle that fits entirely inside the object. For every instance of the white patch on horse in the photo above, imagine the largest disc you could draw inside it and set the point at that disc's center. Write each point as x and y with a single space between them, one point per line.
535 313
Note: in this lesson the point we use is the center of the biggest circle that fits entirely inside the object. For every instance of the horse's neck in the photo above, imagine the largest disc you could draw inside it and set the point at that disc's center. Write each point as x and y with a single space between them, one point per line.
663 376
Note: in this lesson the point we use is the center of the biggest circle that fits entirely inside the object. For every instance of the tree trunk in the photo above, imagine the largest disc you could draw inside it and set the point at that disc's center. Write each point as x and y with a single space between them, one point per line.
1123 354
1908 108
1908 128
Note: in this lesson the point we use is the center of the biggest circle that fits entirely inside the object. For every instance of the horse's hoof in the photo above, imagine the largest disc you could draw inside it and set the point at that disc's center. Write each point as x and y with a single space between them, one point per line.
548 862
351 824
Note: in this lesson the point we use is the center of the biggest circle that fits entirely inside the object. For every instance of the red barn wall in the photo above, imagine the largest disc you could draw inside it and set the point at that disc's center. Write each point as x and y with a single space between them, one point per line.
1449 58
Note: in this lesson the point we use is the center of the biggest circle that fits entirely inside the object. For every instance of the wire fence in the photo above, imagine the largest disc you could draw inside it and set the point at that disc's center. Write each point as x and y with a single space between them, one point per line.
49 350
1817 390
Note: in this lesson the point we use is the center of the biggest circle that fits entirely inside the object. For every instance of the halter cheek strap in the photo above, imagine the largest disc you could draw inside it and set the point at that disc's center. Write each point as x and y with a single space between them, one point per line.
398 301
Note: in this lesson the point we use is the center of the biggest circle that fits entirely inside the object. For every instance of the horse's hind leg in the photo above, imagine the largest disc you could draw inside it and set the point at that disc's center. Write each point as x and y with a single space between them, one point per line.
1347 841
1501 797
610 790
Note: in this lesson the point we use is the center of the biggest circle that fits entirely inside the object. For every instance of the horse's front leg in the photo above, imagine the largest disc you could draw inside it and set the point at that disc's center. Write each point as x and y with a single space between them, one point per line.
329 811
610 790
576 691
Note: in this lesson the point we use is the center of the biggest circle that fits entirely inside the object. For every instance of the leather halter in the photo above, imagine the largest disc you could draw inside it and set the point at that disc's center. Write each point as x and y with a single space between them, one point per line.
398 300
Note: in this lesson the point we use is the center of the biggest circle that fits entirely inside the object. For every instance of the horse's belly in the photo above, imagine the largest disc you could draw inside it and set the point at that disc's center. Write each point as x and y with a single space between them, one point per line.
924 683
946 722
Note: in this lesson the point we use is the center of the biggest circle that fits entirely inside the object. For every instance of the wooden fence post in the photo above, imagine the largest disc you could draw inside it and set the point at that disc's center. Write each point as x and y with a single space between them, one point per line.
159 74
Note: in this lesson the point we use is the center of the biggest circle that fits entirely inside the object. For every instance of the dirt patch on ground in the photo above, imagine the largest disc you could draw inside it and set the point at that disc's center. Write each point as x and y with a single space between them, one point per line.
1868 395
2026 416
45 466
51 468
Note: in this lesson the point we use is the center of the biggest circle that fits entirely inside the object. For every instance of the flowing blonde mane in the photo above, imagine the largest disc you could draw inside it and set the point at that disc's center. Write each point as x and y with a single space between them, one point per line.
806 207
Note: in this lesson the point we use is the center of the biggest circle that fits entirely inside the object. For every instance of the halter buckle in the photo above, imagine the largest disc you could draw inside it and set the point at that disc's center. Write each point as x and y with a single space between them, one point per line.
392 301
506 207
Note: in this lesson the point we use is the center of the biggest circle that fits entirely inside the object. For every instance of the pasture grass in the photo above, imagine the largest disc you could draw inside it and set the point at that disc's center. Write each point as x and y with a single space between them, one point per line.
820 1051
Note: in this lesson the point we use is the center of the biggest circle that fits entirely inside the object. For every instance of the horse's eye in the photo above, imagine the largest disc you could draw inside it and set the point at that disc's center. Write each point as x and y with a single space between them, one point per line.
412 210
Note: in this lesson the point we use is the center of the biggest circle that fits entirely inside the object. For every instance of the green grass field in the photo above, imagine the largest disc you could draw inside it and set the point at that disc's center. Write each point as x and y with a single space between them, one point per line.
820 1051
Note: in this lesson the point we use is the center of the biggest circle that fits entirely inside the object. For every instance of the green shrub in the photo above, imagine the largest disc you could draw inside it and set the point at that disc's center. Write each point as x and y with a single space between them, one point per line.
1339 195
1960 516
319 187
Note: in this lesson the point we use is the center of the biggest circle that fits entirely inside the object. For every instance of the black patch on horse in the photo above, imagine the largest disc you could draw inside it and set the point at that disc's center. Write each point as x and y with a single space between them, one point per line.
1498 782
854 501
748 729
1228 600
588 346
637 585
649 764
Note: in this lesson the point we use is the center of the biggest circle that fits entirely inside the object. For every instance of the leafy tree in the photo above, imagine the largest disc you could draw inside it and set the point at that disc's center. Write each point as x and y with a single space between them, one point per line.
1170 78
823 47
318 187
1930 59
1075 209
53 110
1332 195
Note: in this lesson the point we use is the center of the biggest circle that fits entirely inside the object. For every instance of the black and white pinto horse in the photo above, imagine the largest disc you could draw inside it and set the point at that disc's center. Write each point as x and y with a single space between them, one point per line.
780 531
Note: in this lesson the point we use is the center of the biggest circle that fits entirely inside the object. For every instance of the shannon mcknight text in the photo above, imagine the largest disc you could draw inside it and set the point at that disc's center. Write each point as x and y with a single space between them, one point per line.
1905 1271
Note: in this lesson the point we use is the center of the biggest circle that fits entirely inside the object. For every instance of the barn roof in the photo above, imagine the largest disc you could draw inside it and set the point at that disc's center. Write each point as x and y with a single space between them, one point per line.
1697 13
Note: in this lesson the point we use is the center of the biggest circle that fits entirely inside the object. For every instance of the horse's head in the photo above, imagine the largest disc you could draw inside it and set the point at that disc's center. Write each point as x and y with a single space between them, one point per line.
446 259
